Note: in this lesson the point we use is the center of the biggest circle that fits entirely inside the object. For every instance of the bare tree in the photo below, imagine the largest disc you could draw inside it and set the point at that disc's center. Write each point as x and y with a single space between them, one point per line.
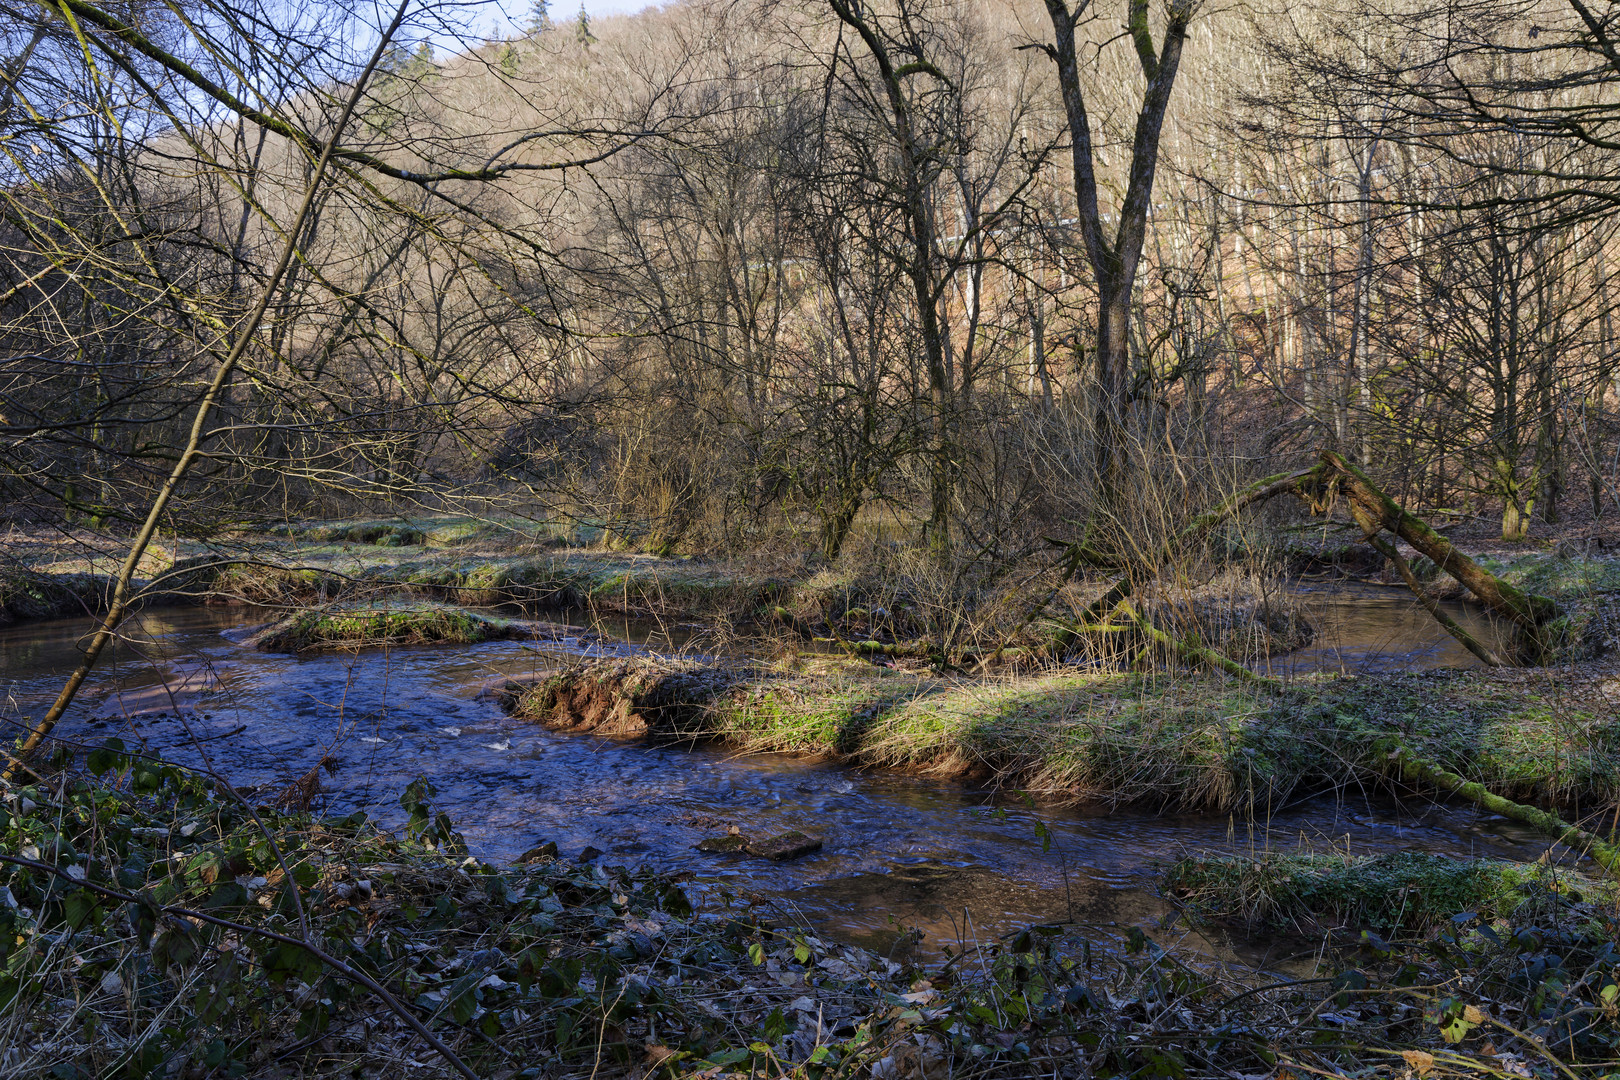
1115 259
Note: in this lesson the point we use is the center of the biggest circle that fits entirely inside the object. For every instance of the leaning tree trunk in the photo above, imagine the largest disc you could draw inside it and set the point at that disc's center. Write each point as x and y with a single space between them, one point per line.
1527 611
1320 486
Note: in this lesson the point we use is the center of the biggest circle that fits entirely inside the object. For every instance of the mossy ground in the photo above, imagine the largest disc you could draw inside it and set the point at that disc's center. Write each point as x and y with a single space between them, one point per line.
1562 577
1203 743
358 627
1392 893
461 561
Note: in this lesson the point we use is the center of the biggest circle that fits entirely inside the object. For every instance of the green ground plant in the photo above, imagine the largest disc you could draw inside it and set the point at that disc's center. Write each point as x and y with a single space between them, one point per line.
1409 892
357 627
155 924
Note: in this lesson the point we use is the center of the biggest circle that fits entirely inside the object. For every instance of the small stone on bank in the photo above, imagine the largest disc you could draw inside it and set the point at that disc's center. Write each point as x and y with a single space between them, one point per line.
547 850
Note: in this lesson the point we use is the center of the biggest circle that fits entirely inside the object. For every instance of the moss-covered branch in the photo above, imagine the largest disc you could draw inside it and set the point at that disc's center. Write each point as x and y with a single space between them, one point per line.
1196 654
1414 769
1527 610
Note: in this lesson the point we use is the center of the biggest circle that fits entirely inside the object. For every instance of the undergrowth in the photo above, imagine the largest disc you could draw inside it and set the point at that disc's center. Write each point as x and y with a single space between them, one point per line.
407 625
156 926
1395 892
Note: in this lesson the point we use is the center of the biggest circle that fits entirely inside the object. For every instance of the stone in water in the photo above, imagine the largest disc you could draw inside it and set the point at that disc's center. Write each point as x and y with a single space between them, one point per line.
788 845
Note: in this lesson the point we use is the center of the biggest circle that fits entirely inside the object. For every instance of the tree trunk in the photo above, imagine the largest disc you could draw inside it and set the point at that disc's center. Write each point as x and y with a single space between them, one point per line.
1113 388
1114 259
1527 610
1516 509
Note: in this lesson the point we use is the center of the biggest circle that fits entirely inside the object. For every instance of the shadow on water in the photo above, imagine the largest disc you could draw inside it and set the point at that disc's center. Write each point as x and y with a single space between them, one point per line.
956 861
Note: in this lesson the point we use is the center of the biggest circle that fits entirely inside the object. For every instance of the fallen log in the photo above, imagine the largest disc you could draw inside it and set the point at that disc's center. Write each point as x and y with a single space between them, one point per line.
1374 509
1197 654
793 622
871 647
1414 769
1319 486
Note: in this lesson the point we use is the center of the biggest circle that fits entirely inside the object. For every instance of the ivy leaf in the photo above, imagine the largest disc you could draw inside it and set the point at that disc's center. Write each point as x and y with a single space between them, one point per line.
79 907
108 756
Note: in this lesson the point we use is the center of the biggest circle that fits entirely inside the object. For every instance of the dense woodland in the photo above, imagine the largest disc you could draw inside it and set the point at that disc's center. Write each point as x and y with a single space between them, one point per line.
721 275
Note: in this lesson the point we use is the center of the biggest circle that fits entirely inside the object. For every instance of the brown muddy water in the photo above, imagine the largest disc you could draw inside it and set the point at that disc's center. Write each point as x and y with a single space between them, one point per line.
1364 628
956 862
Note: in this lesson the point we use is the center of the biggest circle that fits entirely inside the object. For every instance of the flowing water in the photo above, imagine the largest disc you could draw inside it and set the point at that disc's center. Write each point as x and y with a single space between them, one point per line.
1380 628
958 862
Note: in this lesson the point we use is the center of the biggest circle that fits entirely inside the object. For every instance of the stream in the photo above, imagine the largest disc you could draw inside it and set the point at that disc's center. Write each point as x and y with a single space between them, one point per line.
957 862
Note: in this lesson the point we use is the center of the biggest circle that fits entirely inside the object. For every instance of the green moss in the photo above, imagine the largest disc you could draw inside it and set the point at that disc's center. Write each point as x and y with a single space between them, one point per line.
1387 893
359 627
1563 578
457 533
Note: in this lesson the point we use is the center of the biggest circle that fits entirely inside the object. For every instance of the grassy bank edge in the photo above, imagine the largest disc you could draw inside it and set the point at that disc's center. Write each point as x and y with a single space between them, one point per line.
1391 893
1182 743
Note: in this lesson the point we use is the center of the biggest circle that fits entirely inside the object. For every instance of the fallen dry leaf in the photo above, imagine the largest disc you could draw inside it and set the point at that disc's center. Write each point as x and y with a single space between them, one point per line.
1422 1063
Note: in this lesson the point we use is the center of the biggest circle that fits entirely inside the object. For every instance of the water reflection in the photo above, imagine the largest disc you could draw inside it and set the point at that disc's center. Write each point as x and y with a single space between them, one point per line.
1373 628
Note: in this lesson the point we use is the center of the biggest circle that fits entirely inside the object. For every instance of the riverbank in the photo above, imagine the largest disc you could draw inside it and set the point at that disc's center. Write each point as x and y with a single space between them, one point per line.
1410 894
1114 739
1236 600
458 561
155 924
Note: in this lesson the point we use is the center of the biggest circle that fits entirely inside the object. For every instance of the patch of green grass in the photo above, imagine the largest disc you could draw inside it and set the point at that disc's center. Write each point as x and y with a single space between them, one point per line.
1399 892
1191 743
415 625
1546 573
1560 577
454 534
390 532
